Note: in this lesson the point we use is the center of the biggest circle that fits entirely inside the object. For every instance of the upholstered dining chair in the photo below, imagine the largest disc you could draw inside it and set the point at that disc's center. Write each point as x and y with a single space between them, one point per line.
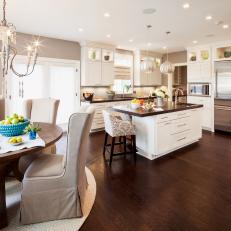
54 186
39 110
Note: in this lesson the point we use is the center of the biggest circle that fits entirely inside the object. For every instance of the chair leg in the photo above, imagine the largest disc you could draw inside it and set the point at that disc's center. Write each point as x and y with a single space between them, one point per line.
105 143
125 144
134 147
112 150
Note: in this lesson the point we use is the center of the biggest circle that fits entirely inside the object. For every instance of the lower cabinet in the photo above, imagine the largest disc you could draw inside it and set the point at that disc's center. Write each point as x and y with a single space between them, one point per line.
161 134
207 110
98 121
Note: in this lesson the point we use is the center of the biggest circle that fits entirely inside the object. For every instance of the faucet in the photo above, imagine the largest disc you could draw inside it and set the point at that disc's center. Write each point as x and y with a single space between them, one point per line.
176 94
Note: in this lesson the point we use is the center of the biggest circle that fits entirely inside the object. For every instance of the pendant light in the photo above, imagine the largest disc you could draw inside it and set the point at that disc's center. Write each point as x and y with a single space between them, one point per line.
147 64
167 67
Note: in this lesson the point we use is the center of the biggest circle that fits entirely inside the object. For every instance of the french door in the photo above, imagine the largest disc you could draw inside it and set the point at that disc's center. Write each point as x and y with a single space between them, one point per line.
59 79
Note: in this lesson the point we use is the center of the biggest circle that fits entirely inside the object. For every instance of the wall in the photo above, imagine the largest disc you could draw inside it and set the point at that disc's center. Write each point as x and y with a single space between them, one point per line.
177 57
50 47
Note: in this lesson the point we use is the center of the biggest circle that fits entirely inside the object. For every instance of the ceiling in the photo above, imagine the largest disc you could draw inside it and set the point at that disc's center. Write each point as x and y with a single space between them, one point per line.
62 18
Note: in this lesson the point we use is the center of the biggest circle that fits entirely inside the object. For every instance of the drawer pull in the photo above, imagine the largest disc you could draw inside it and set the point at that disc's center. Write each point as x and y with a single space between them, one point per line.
167 123
164 118
181 139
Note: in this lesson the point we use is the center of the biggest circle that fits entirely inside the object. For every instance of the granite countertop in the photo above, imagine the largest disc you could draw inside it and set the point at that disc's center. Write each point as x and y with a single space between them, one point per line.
167 108
105 100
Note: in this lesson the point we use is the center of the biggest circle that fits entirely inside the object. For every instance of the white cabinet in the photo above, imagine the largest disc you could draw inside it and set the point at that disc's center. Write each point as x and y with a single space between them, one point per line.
92 75
207 111
199 64
98 121
161 134
107 77
97 67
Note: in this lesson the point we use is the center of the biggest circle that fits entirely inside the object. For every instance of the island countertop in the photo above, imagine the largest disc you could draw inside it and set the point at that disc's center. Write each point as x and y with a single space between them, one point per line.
167 108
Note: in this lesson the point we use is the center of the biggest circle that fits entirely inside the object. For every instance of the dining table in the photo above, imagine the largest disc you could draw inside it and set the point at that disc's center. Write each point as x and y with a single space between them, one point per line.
9 162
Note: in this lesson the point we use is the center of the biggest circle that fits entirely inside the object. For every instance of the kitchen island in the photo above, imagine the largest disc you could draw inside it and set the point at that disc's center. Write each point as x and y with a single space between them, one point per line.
160 131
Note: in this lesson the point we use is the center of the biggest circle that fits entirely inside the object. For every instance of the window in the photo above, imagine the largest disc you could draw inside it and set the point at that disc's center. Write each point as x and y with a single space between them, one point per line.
123 70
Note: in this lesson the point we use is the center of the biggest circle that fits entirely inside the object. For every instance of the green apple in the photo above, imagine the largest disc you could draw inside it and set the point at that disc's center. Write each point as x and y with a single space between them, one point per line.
21 119
7 121
15 121
15 116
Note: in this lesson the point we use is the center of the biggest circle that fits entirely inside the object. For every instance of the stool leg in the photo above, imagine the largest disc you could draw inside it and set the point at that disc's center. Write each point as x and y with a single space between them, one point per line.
112 150
125 144
134 147
105 143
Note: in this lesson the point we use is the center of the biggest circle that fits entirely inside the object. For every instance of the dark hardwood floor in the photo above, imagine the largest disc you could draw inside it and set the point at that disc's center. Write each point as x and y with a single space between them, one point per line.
187 190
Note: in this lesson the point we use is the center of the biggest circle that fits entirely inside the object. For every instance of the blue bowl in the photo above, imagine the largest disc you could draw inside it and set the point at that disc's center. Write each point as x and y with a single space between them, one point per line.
10 130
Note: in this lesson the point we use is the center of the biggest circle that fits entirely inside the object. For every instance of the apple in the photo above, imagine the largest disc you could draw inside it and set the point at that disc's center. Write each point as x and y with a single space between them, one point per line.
15 121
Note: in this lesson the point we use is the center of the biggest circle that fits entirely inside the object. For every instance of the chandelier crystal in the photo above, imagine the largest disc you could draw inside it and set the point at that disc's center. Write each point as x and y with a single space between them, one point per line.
8 51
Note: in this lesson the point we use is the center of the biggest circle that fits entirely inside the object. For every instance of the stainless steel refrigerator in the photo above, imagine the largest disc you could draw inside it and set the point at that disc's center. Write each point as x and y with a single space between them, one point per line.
222 110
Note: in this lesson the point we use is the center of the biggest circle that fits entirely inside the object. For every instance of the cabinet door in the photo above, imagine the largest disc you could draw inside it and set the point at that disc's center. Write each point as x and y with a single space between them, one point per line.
194 70
205 72
93 74
107 74
144 79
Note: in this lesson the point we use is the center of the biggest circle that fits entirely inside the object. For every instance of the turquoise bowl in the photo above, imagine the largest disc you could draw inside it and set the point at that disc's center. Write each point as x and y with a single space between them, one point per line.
10 130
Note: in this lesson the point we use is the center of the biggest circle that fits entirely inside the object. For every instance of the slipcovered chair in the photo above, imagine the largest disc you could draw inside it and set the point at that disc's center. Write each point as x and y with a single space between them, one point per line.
39 110
118 125
54 186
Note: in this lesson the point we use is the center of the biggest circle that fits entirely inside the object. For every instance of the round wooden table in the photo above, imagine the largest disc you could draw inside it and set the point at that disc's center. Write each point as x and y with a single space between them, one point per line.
50 134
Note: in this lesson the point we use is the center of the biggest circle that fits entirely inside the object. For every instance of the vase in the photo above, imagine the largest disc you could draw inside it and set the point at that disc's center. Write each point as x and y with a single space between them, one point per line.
32 135
160 102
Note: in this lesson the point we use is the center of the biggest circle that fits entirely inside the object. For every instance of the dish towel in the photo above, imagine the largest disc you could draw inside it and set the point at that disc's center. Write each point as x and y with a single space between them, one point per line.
5 146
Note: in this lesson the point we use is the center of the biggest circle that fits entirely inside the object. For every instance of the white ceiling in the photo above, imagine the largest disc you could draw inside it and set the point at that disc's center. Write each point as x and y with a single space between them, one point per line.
62 18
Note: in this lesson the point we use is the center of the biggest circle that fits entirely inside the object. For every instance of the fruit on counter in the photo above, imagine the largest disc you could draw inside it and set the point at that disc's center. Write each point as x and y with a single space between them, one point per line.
15 140
14 119
136 101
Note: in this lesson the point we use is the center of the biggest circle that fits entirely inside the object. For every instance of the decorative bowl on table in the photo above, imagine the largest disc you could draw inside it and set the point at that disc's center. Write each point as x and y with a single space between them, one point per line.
13 126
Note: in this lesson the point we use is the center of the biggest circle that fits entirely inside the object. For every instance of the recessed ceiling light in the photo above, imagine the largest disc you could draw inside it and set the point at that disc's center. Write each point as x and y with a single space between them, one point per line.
186 5
225 26
149 11
164 48
80 29
130 40
107 15
195 41
208 17
108 36
149 44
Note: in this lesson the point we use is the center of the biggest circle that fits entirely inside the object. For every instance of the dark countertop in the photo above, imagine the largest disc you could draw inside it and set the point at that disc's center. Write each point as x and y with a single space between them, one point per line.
116 99
167 108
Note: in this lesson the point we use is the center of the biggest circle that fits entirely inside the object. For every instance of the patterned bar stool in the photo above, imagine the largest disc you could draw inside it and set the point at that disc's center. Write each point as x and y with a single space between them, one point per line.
118 126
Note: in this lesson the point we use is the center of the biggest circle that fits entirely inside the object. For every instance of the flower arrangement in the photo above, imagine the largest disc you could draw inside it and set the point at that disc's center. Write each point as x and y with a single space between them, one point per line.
162 92
32 129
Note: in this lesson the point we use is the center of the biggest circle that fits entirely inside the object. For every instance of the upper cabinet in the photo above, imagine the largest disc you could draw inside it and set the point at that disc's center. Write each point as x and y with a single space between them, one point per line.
97 65
147 79
222 52
199 64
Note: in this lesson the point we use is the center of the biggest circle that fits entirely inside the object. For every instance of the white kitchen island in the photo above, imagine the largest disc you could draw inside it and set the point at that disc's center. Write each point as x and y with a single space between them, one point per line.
161 132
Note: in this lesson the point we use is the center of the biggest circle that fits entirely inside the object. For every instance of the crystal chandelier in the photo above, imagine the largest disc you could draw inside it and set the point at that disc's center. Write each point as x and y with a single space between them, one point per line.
8 51
148 63
167 67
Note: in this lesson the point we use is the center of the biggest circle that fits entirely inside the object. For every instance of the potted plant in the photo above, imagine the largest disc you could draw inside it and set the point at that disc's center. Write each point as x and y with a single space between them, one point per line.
32 130
161 94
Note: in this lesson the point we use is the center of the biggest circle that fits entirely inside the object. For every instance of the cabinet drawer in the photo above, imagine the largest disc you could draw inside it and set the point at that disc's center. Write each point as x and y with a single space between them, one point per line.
166 117
181 138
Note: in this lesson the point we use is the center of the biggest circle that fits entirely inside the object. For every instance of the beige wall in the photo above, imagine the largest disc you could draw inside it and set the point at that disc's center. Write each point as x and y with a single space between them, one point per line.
50 47
177 57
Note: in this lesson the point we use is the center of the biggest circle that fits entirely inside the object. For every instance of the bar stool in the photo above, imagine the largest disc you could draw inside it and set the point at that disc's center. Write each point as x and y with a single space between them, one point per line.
118 126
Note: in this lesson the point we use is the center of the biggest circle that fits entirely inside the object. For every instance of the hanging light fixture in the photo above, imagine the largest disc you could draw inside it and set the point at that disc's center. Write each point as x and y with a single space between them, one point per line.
148 63
167 67
8 52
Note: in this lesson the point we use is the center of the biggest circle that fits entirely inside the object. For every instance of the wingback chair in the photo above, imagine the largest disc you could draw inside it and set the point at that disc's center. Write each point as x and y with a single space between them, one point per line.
54 186
39 110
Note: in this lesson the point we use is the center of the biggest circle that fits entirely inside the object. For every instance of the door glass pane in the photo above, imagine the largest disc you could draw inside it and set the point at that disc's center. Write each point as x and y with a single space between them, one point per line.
62 87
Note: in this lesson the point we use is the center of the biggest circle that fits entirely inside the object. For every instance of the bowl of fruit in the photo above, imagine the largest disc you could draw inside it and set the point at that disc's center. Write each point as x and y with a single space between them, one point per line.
13 125
135 104
15 141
